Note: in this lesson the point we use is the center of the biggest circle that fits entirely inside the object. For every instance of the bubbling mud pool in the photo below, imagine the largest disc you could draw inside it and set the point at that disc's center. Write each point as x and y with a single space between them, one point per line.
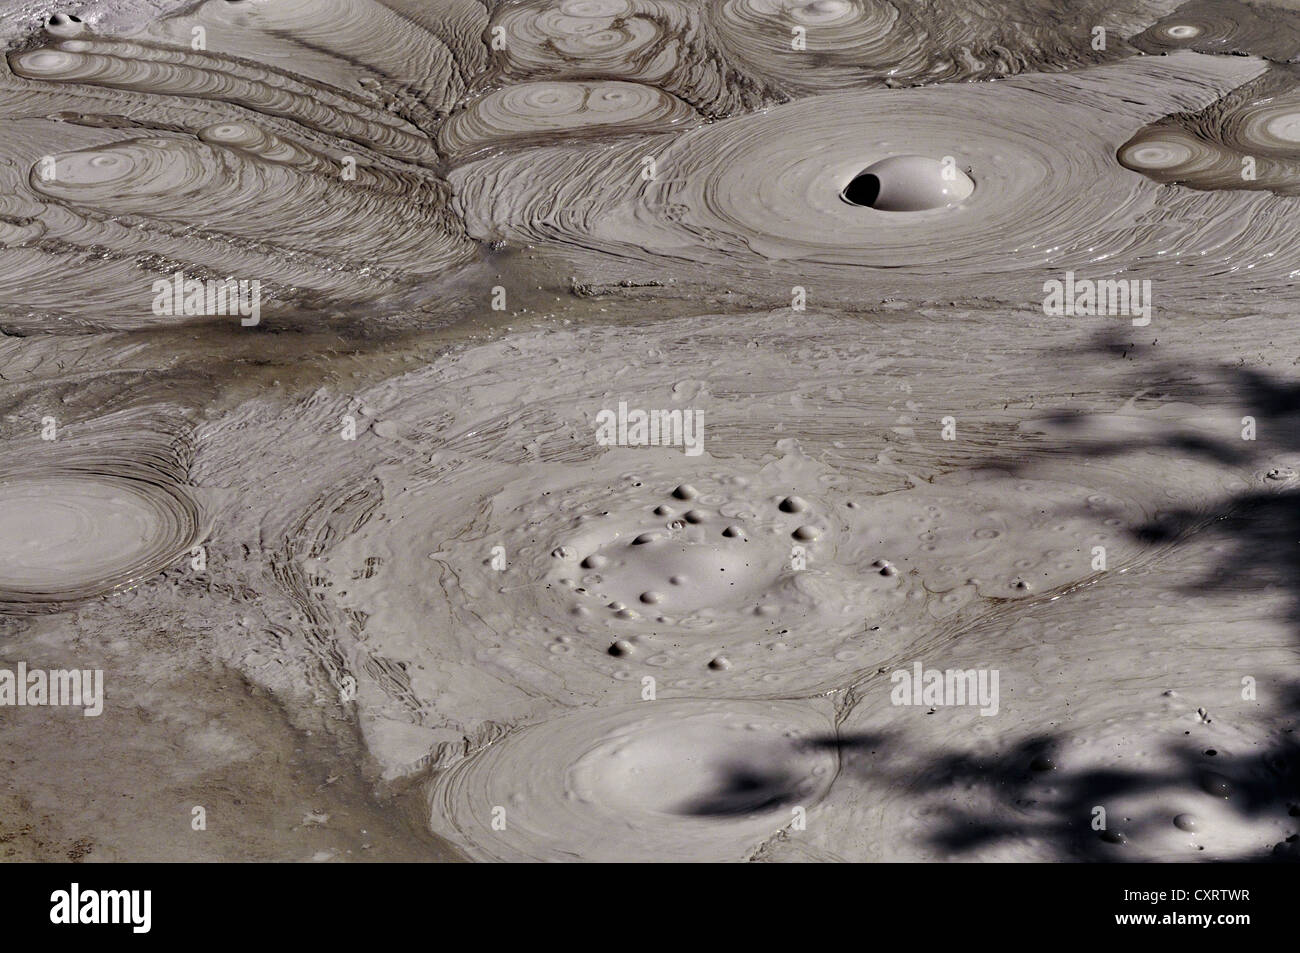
906 566
94 514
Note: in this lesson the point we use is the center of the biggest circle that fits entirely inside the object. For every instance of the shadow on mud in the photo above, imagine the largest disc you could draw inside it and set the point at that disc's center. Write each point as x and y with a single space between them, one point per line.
1258 532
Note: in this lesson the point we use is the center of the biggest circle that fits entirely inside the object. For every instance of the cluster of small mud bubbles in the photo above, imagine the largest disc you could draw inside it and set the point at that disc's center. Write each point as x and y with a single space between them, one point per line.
696 561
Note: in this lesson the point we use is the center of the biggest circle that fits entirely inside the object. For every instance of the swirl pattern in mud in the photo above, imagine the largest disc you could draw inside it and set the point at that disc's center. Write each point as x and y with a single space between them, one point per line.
80 521
811 46
538 110
694 780
1048 196
657 42
1226 26
1249 139
561 573
183 129
499 589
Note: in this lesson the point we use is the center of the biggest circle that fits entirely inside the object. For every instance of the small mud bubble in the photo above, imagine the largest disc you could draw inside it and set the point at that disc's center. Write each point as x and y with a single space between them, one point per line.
64 25
1216 785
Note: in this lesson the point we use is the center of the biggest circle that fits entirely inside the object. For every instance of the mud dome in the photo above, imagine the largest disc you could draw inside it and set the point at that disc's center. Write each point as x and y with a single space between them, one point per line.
369 571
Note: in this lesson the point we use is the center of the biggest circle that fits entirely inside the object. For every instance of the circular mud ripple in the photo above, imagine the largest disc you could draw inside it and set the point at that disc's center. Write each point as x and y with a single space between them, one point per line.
618 562
634 39
137 68
1249 140
751 190
143 175
251 173
699 568
757 180
252 184
260 142
1271 126
1225 26
823 45
1209 31
660 42
680 780
1169 154
546 108
861 38
72 534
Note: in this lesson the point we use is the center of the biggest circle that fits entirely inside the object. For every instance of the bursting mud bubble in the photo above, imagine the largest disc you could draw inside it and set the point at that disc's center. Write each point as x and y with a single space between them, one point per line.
653 430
